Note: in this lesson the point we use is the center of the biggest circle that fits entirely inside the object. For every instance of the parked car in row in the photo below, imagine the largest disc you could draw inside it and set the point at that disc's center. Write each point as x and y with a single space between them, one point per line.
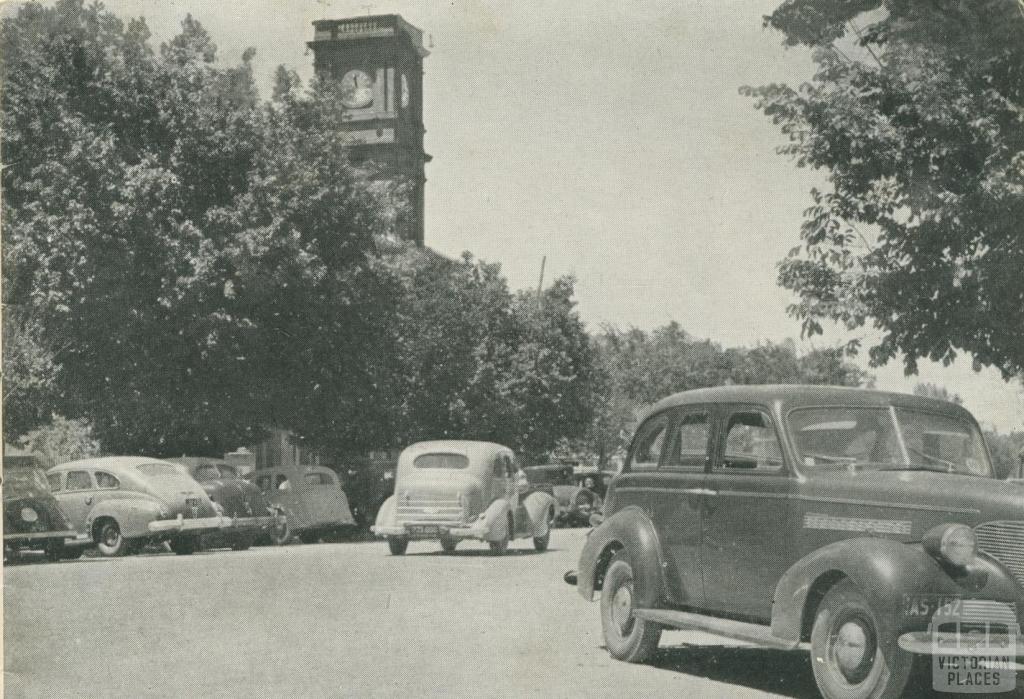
120 503
312 500
787 514
33 519
448 491
251 516
576 502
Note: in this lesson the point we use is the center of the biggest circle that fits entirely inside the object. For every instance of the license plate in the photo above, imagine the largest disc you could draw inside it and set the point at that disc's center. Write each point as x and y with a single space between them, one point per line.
424 530
925 606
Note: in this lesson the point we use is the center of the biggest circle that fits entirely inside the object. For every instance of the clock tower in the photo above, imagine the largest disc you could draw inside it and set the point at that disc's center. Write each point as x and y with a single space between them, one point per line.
378 60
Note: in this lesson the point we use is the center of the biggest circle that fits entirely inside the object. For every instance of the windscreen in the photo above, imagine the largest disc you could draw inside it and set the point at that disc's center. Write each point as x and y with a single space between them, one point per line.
894 439
448 461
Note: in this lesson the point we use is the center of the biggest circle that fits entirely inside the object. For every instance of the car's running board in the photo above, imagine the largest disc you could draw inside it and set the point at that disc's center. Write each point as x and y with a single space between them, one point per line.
738 630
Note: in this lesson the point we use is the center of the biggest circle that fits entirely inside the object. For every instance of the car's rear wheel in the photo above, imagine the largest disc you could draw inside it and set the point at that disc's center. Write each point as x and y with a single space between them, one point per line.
309 537
448 543
541 542
849 653
397 545
184 545
627 638
281 534
109 540
54 550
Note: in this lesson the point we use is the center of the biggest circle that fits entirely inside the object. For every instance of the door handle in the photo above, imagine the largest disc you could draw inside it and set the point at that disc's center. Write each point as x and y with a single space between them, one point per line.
88 500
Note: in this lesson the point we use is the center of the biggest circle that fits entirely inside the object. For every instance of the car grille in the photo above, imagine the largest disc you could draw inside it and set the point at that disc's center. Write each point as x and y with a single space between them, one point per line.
192 507
427 510
1004 541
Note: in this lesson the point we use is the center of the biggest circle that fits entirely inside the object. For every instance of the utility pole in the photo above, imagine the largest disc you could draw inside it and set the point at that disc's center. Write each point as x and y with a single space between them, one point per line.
540 284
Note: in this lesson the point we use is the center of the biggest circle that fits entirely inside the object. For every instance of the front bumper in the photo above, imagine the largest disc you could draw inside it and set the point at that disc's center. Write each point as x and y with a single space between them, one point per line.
948 644
35 536
180 524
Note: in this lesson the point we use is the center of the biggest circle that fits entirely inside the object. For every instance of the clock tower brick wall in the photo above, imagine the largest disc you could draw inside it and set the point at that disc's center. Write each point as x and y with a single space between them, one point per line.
379 60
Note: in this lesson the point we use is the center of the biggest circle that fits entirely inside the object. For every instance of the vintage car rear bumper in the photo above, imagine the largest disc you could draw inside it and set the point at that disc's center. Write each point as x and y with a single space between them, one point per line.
431 530
182 525
34 536
946 644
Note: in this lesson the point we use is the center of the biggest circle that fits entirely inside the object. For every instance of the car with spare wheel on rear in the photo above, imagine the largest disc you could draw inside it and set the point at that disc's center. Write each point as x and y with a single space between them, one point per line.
453 490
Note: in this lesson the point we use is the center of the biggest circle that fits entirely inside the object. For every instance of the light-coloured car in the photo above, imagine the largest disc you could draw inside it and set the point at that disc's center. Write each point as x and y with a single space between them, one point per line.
120 503
454 490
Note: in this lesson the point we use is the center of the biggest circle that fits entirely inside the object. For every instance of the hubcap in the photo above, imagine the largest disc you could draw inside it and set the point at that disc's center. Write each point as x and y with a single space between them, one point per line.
853 650
622 609
110 536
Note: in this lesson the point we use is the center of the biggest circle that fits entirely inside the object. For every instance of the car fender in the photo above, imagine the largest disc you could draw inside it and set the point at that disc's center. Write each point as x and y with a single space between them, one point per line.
132 515
630 529
386 513
891 574
542 509
496 520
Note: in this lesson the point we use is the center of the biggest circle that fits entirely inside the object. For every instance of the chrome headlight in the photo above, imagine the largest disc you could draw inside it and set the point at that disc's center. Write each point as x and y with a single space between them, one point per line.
953 543
29 515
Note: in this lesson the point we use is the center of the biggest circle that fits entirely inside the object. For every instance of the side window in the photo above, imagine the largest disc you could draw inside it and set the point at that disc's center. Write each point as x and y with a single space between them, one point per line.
105 480
751 443
263 483
281 482
78 480
54 479
510 467
649 443
499 467
689 448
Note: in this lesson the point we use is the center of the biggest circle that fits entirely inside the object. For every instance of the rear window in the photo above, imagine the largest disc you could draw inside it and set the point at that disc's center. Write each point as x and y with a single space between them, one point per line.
207 473
441 461
317 479
228 472
159 470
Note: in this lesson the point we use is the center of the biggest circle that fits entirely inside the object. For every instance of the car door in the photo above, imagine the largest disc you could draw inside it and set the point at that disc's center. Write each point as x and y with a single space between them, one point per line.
76 499
288 494
667 486
746 513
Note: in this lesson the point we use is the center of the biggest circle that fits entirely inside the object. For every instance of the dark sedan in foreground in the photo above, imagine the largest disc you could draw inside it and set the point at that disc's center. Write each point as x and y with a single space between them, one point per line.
867 524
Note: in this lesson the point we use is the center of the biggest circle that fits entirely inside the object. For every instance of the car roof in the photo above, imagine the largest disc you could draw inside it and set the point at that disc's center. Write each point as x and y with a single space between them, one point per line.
109 463
468 448
791 396
194 461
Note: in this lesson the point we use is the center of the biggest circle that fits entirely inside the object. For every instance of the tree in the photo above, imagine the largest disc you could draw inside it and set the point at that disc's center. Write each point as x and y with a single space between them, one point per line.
931 390
198 264
916 112
476 361
61 440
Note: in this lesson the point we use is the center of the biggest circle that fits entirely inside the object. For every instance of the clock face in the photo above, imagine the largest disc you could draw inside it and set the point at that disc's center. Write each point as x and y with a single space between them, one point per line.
356 89
405 91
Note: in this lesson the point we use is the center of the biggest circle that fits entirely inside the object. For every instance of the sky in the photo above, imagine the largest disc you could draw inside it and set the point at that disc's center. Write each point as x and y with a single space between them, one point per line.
609 138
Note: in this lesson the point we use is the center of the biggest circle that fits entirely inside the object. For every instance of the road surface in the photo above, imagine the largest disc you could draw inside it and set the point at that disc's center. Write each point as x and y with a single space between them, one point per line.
347 620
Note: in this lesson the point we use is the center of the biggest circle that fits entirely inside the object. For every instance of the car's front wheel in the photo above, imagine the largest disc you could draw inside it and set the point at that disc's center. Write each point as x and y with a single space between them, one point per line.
397 545
849 653
448 543
109 539
184 545
627 638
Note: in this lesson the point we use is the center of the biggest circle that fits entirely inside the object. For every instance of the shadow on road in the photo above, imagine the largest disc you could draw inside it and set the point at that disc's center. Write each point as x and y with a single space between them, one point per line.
785 673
